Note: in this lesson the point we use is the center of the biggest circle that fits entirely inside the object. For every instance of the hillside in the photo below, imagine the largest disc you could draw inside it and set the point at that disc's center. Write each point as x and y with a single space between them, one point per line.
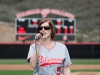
6 32
87 15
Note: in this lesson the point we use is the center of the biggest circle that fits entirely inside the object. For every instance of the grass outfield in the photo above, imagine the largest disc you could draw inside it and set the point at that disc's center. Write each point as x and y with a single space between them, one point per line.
18 72
74 61
30 72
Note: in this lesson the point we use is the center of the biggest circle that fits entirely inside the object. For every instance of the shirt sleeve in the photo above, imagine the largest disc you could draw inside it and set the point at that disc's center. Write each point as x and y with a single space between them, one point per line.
67 60
30 53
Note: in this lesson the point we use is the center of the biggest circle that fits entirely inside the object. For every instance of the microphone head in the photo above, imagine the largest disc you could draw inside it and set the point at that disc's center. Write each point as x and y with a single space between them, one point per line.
41 33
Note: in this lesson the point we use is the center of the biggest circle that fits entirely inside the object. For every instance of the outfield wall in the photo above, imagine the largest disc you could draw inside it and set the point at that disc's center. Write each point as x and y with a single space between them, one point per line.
76 50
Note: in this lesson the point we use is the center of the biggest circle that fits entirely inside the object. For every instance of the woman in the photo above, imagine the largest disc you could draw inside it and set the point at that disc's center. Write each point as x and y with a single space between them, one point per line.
46 56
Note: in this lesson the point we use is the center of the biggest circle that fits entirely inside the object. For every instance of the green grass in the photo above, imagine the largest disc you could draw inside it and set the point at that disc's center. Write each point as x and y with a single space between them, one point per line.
13 61
18 72
74 61
30 72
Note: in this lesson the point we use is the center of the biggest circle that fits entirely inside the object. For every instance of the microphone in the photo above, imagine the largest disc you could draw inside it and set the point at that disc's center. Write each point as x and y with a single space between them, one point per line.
41 34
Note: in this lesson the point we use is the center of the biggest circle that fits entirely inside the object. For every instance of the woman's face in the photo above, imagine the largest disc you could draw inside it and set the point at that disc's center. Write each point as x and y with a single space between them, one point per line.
45 28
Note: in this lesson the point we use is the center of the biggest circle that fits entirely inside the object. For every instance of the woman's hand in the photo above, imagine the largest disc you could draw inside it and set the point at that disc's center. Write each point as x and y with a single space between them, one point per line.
38 41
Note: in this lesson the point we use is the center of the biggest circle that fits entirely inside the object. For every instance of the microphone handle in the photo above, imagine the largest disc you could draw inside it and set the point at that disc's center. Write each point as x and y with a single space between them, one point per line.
37 37
41 34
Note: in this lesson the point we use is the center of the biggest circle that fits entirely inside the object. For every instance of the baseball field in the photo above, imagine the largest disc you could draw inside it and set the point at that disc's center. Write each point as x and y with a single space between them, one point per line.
21 67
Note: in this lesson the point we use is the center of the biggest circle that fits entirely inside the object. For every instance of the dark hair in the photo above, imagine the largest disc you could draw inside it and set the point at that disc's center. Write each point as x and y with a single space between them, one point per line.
50 22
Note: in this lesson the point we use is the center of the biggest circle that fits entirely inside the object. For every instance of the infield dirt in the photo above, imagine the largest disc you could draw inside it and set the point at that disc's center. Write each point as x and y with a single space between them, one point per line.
72 67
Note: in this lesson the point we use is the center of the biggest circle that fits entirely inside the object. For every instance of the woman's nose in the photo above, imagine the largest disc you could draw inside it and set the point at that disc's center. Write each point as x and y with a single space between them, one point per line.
43 29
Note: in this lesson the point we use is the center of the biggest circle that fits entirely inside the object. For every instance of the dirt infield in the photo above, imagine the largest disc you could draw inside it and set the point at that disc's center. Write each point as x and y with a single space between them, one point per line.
28 67
72 67
86 73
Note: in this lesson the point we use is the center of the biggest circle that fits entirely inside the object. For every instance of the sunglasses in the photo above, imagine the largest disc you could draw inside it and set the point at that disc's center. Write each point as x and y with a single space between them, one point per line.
45 27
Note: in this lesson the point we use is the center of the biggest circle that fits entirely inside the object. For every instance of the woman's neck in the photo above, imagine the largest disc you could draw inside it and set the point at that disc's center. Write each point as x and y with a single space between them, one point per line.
48 43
